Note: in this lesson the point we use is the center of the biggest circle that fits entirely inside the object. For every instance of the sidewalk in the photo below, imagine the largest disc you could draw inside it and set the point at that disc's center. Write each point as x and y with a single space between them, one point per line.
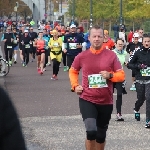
68 133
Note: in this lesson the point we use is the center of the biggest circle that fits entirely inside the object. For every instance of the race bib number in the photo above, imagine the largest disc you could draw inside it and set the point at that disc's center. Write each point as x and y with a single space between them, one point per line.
97 81
15 41
27 46
55 44
9 46
145 72
72 45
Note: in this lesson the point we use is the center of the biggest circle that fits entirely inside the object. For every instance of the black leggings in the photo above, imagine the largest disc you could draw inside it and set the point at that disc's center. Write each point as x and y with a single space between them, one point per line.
25 53
10 51
33 50
47 53
70 60
96 119
55 66
64 58
143 93
119 89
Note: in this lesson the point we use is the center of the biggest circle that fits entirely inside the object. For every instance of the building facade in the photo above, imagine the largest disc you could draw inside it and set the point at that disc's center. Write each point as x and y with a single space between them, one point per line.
37 7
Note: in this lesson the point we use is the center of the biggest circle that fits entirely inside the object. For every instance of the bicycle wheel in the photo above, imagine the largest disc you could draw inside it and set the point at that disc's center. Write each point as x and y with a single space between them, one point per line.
4 67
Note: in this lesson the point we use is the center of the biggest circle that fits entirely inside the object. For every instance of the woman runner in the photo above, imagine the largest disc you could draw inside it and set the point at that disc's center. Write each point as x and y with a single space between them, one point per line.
40 44
121 54
15 44
55 45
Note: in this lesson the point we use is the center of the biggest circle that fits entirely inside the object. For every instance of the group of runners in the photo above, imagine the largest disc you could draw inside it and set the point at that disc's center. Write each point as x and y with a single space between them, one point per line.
102 61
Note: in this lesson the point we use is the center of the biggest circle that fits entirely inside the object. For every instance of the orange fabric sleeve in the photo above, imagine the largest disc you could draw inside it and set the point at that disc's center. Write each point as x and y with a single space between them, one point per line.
112 44
118 76
73 75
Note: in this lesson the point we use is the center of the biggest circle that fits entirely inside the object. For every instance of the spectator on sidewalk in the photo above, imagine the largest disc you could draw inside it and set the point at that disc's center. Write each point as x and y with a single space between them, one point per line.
116 31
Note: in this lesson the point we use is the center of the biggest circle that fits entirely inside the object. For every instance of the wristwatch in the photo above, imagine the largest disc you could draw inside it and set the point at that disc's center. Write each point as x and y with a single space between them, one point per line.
110 75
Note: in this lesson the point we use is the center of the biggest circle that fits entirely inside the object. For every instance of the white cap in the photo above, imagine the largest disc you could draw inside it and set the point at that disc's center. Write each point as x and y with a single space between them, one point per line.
73 26
135 35
26 31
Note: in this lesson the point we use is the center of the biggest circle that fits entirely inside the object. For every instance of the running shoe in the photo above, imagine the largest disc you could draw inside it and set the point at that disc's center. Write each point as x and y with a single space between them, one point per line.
147 125
44 69
15 62
39 70
23 64
10 63
137 115
48 64
133 88
65 68
119 117
53 77
56 78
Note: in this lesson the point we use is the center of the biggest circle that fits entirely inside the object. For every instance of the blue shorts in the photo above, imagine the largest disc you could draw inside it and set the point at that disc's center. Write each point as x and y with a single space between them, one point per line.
16 47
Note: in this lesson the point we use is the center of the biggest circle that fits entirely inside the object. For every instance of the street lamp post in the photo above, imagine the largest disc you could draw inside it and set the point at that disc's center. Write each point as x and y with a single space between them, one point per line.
91 13
61 6
39 10
45 11
120 12
50 9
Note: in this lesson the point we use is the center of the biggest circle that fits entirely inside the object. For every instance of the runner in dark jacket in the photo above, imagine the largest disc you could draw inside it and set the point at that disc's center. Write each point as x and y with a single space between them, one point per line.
141 63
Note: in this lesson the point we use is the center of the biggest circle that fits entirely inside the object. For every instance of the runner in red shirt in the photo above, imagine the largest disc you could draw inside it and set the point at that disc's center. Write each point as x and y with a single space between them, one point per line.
130 35
48 27
96 91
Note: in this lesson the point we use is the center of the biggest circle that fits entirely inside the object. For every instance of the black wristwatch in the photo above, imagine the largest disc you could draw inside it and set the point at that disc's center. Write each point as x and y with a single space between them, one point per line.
110 75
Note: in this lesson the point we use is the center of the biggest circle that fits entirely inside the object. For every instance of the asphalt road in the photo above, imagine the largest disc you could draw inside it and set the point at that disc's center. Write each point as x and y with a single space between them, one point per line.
50 116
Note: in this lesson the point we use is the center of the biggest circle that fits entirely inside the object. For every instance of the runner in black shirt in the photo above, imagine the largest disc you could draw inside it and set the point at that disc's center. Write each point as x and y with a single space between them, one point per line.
131 47
33 36
26 44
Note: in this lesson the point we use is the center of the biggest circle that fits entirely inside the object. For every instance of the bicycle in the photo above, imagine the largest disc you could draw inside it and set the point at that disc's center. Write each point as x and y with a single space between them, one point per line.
4 67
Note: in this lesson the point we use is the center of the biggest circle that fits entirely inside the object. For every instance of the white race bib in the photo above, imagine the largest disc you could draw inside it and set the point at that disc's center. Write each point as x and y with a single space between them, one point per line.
145 72
97 81
15 41
9 46
55 44
27 46
72 45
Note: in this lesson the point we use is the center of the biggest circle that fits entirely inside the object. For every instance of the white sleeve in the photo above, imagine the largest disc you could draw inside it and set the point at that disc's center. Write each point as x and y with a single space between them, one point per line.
64 46
83 46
